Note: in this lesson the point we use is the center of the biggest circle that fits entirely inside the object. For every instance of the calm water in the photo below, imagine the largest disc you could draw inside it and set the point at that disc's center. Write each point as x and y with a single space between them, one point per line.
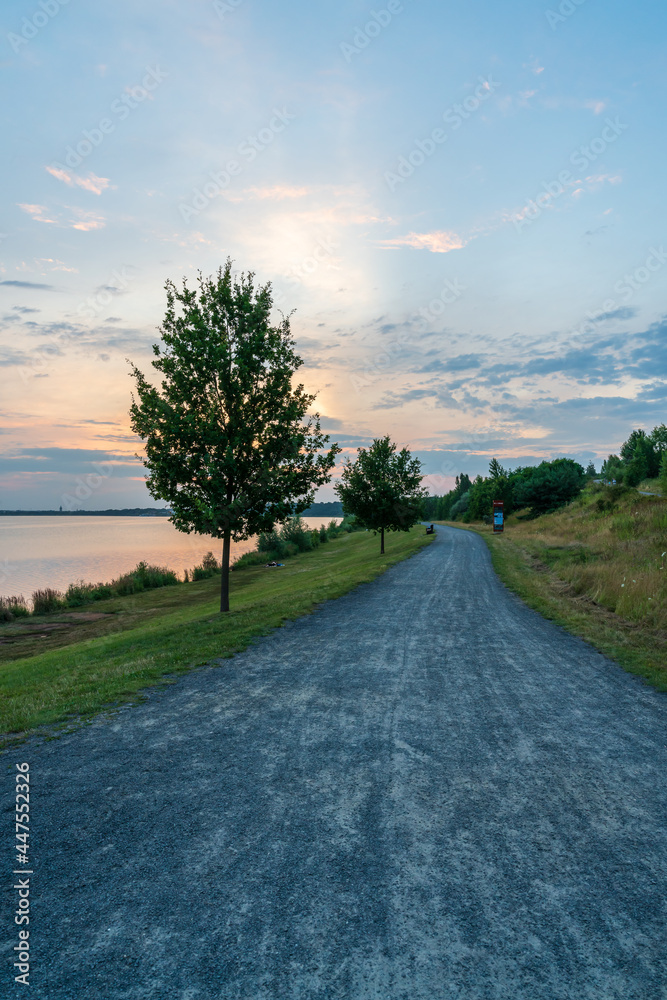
53 552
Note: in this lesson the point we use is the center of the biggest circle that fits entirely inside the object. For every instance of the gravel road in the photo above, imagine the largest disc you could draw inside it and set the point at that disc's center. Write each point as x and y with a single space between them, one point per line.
423 791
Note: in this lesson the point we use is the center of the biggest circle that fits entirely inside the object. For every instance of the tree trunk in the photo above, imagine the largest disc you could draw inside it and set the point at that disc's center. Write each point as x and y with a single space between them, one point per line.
224 579
381 541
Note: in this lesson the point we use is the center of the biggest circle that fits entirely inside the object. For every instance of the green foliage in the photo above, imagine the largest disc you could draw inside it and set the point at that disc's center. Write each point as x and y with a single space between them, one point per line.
551 485
382 488
47 600
590 471
13 607
498 487
460 507
637 468
227 442
209 567
295 532
663 471
323 533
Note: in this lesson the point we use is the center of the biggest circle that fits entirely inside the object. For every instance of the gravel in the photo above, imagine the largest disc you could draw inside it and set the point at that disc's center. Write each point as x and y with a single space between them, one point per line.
423 791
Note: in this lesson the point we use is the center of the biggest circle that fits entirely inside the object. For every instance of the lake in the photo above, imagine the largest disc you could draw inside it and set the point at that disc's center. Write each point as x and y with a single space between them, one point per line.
38 552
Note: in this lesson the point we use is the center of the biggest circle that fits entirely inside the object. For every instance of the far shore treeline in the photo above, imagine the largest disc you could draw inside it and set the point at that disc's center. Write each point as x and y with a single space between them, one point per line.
329 509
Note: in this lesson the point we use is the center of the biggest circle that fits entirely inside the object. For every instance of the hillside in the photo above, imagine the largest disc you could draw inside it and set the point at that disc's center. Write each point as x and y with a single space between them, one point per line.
598 567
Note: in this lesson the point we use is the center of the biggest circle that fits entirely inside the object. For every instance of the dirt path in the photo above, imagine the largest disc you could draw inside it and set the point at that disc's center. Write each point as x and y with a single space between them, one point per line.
424 791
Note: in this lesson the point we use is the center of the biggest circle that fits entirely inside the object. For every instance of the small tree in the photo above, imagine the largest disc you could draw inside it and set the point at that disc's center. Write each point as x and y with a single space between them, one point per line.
226 442
590 470
382 488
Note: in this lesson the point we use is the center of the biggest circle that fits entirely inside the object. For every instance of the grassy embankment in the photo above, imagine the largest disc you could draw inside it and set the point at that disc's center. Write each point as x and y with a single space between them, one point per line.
598 567
69 665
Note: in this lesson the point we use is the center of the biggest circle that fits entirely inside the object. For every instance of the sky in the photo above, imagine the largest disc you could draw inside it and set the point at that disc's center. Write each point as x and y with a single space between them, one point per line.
463 203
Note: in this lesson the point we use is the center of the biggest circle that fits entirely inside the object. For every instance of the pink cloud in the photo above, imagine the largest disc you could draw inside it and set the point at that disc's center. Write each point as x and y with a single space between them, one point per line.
440 241
36 212
91 183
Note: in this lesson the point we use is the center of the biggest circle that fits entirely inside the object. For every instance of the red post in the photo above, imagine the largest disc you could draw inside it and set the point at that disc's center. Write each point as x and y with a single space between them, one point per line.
498 516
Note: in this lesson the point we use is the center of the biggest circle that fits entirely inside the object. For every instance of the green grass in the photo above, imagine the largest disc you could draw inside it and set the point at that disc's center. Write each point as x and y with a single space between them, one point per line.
65 667
597 568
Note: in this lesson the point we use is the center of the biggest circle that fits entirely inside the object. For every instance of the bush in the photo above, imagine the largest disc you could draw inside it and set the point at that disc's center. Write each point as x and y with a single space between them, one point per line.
271 542
209 567
47 600
13 607
610 496
142 577
17 606
323 533
295 532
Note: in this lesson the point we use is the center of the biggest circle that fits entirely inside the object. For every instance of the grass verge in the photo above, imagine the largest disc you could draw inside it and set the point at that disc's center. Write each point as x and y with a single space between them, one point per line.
597 568
63 668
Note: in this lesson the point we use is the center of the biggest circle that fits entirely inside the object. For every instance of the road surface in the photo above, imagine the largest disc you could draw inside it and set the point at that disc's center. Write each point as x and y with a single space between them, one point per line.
423 791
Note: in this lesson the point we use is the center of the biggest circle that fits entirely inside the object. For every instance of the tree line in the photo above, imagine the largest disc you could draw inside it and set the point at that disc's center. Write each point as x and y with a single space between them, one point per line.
537 488
643 456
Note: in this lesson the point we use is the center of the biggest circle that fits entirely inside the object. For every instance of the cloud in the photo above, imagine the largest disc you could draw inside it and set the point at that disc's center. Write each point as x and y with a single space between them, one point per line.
36 212
87 220
91 183
26 284
276 192
74 461
440 241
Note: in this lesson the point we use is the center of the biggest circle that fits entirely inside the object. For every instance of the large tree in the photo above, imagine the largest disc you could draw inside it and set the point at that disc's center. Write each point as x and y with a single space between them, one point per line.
227 441
382 488
549 485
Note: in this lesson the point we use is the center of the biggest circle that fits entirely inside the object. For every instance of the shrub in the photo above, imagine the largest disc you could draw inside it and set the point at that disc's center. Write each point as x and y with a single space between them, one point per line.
208 568
210 562
47 600
13 607
78 594
142 577
18 606
274 544
323 533
294 532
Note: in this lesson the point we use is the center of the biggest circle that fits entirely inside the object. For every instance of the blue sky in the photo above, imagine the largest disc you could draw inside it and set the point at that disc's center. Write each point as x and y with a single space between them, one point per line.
463 203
